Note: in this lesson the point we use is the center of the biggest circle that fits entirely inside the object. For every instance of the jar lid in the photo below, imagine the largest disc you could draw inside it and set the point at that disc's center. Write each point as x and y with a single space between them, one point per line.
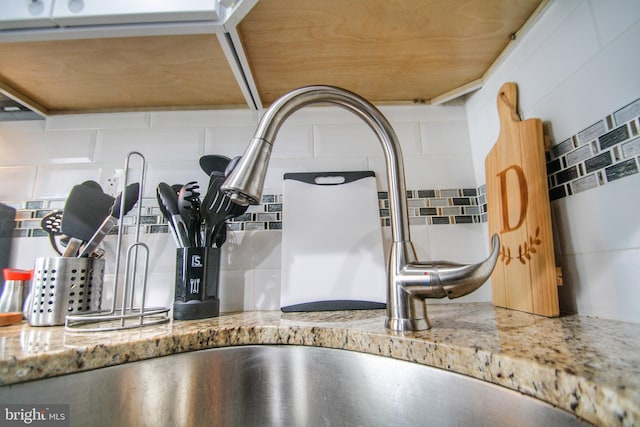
15 274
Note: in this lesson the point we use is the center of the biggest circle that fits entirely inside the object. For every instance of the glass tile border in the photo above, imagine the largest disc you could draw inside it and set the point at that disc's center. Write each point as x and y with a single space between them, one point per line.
603 152
426 207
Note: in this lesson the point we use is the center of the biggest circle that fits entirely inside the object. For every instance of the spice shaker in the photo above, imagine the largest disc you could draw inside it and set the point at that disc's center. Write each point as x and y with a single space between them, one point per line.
14 293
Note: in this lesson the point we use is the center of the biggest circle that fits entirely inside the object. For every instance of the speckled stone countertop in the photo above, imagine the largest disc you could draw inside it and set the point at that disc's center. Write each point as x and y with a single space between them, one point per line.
587 366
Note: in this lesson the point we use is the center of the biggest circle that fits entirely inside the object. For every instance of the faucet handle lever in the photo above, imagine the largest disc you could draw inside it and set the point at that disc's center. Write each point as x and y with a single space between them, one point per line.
443 278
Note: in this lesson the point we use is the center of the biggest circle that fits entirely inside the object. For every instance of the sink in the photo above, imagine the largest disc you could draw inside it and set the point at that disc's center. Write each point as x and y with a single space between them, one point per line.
283 386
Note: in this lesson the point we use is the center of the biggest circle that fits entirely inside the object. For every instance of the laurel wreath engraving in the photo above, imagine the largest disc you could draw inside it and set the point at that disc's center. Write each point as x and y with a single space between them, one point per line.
525 250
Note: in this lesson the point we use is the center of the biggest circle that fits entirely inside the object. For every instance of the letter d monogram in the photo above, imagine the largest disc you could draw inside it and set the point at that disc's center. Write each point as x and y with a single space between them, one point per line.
523 196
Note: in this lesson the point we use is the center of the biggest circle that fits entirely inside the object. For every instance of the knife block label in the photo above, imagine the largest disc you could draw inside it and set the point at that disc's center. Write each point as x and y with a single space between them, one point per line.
197 273
518 209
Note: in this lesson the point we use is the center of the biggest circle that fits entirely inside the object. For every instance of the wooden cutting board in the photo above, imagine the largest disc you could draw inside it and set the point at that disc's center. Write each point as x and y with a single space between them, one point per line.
332 253
518 209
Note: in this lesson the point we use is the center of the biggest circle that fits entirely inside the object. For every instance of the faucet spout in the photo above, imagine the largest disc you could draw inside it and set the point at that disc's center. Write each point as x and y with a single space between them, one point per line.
406 276
439 279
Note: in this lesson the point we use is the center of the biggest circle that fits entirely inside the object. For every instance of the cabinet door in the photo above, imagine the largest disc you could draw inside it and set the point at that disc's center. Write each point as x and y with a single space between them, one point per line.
101 12
17 14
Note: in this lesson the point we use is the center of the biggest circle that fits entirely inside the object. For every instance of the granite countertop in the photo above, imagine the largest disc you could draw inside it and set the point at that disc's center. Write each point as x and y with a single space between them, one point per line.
587 366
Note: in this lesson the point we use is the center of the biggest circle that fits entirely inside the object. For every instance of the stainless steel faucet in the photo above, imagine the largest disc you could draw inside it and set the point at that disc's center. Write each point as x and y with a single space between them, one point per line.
409 281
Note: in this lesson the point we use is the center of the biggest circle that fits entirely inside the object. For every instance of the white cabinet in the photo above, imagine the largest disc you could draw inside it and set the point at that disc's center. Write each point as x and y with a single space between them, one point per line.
116 12
18 14
39 14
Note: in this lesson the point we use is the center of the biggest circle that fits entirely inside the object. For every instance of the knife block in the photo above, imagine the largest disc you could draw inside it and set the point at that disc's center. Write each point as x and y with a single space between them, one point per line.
196 285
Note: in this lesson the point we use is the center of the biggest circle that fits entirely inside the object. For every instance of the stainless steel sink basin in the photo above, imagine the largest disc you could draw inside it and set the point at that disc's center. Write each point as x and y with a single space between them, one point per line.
283 386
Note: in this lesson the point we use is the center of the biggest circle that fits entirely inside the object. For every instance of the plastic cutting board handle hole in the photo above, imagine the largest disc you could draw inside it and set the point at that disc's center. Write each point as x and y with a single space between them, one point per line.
329 180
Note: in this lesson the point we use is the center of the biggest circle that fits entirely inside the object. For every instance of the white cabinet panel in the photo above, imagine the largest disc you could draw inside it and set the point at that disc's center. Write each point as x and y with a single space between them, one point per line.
17 14
100 12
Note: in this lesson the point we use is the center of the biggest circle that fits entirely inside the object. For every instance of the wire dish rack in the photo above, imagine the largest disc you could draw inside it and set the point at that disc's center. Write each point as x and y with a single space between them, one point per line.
127 315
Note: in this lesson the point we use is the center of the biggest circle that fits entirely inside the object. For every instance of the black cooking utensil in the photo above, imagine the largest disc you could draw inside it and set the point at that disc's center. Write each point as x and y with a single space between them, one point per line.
212 207
128 198
189 208
169 199
219 233
84 211
232 165
213 162
167 216
92 184
232 210
51 223
176 188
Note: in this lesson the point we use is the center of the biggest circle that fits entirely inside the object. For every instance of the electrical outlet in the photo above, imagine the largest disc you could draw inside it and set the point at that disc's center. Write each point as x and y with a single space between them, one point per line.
112 182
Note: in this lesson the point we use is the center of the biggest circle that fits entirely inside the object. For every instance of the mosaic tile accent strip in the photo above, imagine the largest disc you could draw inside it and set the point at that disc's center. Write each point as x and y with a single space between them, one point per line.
426 207
432 207
606 151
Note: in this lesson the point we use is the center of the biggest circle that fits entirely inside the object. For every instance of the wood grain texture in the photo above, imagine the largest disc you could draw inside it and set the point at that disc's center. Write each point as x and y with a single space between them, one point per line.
518 209
385 50
186 71
389 51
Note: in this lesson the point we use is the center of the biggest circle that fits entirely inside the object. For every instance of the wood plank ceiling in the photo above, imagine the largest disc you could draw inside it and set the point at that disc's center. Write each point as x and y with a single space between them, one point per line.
384 50
106 74
389 51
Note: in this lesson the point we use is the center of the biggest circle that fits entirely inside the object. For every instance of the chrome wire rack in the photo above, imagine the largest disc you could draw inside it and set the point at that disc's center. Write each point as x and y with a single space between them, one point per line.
127 315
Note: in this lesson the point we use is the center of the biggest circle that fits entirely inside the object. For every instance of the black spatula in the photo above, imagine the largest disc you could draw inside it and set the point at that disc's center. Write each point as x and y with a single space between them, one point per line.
129 198
84 212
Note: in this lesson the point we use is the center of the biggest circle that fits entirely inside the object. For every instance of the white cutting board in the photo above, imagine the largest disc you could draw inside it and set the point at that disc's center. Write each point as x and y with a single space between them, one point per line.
332 255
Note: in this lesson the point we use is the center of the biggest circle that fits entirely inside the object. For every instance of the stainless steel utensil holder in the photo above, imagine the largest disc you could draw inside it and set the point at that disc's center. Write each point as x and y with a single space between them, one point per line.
127 315
63 286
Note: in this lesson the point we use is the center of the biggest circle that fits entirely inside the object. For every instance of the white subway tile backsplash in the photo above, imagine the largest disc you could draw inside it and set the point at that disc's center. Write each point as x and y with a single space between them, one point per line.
24 251
98 121
178 172
162 253
445 137
236 290
29 147
9 127
355 140
585 226
421 113
409 137
566 50
228 141
293 141
252 250
597 89
154 144
201 119
603 284
267 289
612 21
465 243
440 171
56 181
17 182
360 140
161 289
